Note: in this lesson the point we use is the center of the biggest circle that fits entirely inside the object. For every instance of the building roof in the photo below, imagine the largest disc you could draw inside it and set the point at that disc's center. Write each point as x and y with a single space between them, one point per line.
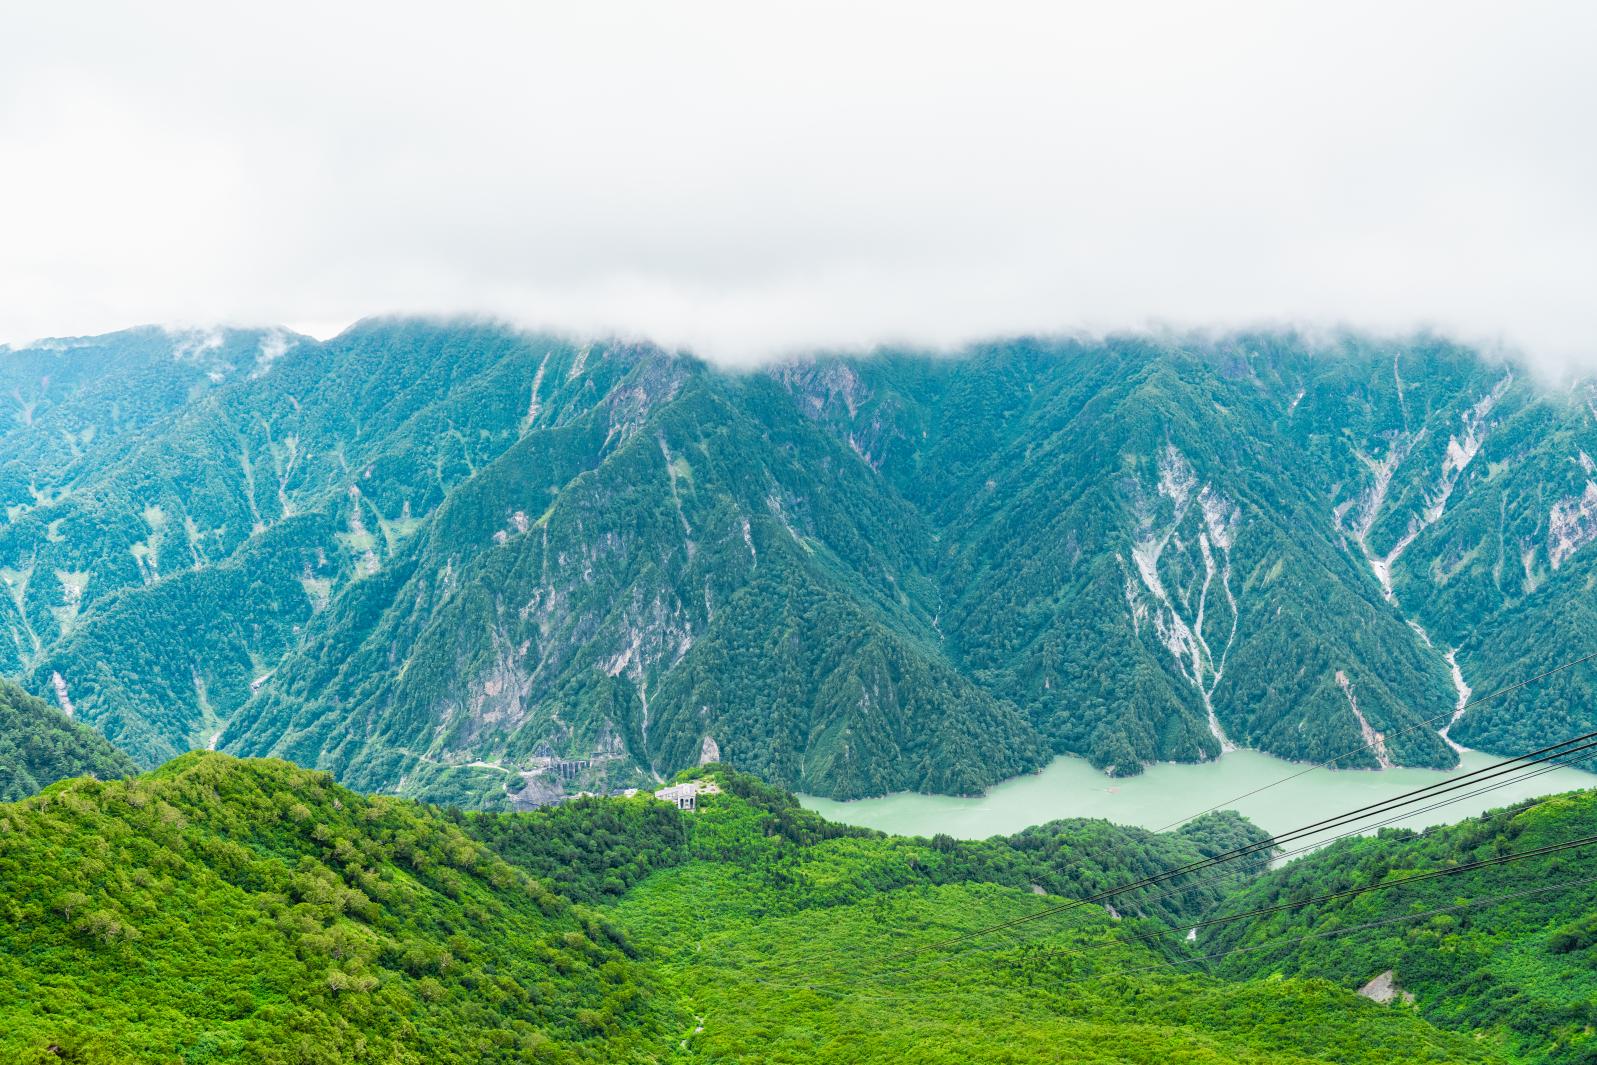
693 787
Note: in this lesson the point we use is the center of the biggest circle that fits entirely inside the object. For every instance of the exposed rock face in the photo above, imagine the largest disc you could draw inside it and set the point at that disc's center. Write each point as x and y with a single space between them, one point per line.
62 698
1571 525
1384 989
451 544
1178 624
1374 741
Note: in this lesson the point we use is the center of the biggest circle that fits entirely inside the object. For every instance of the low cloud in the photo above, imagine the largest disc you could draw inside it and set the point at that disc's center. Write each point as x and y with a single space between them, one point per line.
750 180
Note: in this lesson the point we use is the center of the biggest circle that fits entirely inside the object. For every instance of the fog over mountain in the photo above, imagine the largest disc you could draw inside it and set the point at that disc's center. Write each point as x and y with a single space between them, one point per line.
465 562
749 181
503 501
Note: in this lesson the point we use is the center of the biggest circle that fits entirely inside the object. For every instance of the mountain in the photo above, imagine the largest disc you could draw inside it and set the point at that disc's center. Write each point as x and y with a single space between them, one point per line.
1524 968
458 561
39 745
224 910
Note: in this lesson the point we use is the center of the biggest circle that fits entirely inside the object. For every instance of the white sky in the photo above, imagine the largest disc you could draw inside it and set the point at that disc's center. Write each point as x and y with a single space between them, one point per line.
749 178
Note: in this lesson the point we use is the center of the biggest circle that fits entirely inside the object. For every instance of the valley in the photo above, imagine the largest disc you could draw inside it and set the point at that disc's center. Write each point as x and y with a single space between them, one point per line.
462 562
737 534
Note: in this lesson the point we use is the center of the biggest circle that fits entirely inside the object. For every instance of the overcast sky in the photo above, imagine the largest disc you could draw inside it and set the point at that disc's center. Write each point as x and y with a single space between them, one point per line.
749 178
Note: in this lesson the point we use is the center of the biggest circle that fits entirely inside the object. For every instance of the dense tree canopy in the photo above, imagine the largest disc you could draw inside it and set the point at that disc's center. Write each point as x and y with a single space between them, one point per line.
431 557
221 910
39 745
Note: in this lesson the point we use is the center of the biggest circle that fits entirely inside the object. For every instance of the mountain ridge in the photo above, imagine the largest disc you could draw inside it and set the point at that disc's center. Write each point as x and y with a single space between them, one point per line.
444 558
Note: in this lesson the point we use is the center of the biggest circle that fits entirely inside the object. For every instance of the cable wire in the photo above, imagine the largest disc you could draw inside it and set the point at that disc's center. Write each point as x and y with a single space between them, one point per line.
1349 930
1431 874
1451 714
1345 893
1407 798
1556 759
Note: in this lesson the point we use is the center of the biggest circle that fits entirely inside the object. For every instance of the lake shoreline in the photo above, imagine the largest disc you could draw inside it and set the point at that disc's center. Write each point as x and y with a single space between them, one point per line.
1070 787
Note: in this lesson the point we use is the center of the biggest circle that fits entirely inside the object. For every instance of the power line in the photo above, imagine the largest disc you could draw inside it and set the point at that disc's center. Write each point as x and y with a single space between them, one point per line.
1326 934
1349 930
1364 829
1506 768
1310 769
1326 825
1346 754
1190 887
1373 809
1431 874
1558 760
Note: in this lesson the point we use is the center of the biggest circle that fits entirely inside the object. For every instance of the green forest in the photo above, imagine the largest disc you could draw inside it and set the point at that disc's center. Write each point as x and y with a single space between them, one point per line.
39 745
218 909
437 558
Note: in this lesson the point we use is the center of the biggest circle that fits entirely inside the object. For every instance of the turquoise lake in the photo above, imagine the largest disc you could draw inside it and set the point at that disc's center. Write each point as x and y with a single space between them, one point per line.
1168 792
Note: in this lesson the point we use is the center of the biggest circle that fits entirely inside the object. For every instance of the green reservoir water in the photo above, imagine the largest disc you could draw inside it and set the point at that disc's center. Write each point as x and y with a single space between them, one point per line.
1166 792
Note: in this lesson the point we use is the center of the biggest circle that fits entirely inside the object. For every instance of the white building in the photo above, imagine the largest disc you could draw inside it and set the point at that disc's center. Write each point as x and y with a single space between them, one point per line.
686 796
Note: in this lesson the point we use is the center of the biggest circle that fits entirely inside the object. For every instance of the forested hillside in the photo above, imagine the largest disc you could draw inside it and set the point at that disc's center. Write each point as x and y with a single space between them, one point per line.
39 745
221 910
1525 967
217 910
457 561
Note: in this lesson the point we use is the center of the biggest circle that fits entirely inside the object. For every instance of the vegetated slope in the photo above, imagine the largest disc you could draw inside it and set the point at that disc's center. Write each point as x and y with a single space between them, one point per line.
596 849
462 562
39 745
1132 552
751 581
164 577
218 910
776 930
674 572
75 404
1524 969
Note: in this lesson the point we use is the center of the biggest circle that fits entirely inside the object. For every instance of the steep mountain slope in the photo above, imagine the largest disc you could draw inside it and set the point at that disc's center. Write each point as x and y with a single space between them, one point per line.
228 911
74 405
218 910
463 562
1525 968
614 587
39 745
189 558
1132 555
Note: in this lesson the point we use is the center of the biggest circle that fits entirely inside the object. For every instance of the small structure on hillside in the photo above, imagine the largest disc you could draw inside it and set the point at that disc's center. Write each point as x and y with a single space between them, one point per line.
568 768
686 796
